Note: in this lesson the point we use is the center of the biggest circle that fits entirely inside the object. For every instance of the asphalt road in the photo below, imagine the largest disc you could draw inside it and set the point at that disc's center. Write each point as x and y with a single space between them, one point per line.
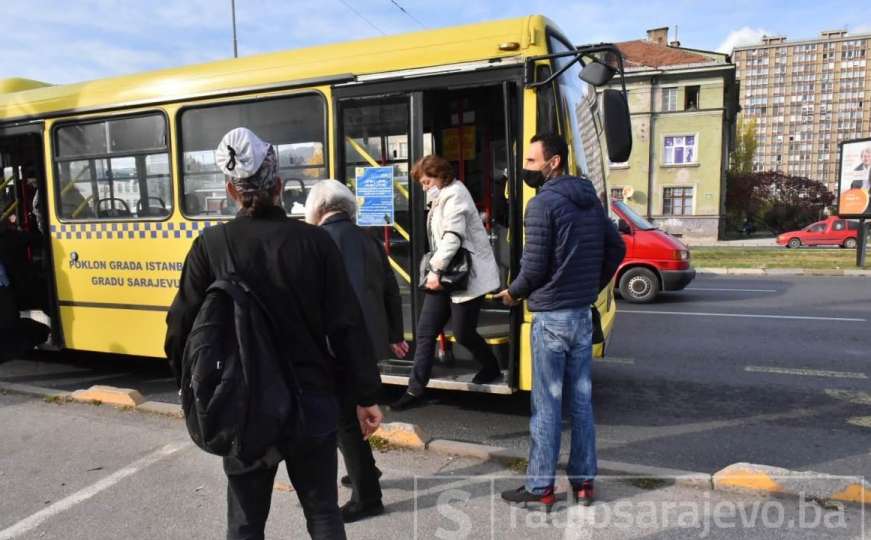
764 370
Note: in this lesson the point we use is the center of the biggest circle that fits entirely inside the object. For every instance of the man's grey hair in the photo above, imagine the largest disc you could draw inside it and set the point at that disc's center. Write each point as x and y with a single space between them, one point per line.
329 196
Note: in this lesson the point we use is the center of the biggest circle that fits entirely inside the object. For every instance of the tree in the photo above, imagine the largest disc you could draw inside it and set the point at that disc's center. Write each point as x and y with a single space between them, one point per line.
774 200
741 159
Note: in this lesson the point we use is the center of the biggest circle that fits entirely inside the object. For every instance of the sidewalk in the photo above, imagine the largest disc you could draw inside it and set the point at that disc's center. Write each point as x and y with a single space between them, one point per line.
77 471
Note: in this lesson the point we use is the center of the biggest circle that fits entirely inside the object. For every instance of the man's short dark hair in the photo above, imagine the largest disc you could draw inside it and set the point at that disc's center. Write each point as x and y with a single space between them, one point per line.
553 144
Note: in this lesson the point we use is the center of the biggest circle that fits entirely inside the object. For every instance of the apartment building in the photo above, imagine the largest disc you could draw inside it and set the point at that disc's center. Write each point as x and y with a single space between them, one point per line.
683 104
806 96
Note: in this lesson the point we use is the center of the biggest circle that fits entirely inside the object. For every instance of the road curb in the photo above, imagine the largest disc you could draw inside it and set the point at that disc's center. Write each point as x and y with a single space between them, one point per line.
402 434
162 408
765 479
717 271
37 391
110 395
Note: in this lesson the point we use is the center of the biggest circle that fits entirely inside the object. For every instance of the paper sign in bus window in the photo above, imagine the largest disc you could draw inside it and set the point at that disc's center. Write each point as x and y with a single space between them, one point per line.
375 197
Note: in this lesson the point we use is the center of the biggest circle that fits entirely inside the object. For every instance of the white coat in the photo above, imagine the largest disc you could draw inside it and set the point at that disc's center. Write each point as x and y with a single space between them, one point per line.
453 211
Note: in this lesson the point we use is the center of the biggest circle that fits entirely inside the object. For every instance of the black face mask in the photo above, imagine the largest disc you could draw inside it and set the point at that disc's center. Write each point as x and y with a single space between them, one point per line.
533 179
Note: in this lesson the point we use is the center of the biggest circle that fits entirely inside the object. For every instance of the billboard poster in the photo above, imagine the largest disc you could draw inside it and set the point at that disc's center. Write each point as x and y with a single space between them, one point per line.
854 183
375 196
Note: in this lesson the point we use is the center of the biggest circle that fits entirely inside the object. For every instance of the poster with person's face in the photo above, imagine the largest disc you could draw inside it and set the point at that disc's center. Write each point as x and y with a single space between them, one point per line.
854 187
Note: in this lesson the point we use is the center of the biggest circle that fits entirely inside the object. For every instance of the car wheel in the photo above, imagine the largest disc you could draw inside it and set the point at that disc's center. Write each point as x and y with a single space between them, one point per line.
639 285
850 243
794 243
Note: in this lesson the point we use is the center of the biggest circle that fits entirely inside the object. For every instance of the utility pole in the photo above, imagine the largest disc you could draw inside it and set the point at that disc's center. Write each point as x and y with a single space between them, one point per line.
235 47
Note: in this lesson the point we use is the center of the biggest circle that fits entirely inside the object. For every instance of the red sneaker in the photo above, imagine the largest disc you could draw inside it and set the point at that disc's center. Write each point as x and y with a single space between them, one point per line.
584 493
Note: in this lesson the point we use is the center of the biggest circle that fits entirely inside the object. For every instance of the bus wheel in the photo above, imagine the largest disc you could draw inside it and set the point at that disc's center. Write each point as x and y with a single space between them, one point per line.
639 285
850 243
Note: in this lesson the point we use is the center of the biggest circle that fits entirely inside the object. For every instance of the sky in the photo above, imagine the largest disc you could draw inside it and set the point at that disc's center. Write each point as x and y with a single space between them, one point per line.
62 41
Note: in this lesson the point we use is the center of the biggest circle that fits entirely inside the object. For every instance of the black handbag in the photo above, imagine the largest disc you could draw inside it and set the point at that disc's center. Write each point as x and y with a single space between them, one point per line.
453 278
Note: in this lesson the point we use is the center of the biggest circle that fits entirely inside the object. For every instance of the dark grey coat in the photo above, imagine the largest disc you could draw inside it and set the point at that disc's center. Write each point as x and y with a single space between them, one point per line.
372 280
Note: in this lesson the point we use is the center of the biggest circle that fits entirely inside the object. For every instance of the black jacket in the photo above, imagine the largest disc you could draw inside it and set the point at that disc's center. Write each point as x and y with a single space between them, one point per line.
571 250
372 279
298 272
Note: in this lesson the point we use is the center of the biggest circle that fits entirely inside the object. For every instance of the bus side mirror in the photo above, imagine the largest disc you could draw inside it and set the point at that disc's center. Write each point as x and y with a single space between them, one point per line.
623 227
618 128
597 73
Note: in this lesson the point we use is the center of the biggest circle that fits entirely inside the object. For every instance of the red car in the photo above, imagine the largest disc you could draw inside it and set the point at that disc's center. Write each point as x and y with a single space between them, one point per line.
832 231
654 262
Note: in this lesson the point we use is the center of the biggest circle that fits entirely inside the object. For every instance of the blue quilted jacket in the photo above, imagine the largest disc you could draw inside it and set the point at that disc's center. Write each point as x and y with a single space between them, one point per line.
572 249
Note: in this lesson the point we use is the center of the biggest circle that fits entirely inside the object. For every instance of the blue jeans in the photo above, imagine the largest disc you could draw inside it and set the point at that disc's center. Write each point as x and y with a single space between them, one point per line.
562 351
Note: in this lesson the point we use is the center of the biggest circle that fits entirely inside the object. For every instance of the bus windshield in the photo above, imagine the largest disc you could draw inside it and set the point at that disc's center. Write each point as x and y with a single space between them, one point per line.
637 221
581 125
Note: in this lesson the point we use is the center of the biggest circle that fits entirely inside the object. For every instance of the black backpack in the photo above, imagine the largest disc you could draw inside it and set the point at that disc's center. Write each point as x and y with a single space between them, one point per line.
239 395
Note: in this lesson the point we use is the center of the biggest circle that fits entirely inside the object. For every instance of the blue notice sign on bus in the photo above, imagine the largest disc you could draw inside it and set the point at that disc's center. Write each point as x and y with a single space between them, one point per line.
375 196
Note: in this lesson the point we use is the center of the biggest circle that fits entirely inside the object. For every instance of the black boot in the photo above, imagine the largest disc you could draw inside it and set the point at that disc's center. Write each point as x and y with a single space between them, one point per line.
346 480
407 401
487 375
355 511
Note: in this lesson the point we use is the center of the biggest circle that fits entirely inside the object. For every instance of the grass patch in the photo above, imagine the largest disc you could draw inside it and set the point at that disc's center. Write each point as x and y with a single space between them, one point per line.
57 400
518 465
381 444
648 484
737 257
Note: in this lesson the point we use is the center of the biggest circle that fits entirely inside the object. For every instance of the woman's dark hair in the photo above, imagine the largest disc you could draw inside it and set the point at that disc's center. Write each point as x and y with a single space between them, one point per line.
255 203
434 166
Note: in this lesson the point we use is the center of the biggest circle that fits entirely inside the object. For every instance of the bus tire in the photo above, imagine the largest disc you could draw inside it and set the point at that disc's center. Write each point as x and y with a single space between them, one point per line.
639 285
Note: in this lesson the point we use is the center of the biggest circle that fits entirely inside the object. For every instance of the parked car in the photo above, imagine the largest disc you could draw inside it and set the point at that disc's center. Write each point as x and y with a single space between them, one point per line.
655 261
832 231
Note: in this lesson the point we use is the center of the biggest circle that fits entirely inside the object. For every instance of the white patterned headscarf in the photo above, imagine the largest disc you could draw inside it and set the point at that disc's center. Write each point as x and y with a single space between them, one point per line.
250 163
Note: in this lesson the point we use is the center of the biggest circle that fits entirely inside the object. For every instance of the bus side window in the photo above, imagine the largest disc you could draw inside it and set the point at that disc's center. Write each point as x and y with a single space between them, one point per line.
113 168
294 125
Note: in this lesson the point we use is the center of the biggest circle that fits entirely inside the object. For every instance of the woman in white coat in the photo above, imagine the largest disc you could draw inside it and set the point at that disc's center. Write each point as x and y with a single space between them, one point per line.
452 222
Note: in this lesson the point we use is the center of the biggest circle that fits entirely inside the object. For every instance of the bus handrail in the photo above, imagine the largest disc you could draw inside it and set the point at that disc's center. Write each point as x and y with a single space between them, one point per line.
82 206
9 210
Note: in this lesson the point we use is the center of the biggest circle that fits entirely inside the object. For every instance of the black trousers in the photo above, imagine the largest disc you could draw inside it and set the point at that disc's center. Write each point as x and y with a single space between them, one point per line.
437 309
366 489
311 465
23 336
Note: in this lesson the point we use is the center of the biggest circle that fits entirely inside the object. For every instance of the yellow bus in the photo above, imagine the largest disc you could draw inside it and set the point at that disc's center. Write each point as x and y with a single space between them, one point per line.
119 174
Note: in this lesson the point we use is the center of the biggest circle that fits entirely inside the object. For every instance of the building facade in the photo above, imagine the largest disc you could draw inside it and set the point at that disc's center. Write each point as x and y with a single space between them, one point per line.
806 97
683 104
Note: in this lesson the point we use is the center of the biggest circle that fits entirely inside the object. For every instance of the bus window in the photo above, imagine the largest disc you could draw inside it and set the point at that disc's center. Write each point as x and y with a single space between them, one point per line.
295 125
113 169
581 125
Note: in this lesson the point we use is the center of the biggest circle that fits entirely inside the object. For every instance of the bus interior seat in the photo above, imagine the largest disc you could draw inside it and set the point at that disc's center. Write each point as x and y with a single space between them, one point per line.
113 211
145 209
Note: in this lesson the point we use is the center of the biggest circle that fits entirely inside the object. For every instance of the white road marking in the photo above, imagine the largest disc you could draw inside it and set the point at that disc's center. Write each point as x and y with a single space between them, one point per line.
35 520
740 315
614 360
728 290
807 372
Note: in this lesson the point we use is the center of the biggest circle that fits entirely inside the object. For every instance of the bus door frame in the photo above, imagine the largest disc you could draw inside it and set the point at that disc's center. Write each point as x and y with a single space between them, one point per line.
510 82
37 130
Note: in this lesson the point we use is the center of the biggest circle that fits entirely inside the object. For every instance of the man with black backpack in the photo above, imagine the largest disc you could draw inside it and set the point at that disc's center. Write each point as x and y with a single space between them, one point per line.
275 284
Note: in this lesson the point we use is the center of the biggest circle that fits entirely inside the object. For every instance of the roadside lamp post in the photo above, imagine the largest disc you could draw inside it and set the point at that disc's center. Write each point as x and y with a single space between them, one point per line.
235 47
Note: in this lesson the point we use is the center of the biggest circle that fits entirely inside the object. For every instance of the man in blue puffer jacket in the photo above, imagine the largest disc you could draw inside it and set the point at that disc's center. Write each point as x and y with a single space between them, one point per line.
571 252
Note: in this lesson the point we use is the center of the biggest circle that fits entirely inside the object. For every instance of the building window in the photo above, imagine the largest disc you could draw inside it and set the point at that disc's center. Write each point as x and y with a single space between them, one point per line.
680 149
616 193
677 201
691 98
669 99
